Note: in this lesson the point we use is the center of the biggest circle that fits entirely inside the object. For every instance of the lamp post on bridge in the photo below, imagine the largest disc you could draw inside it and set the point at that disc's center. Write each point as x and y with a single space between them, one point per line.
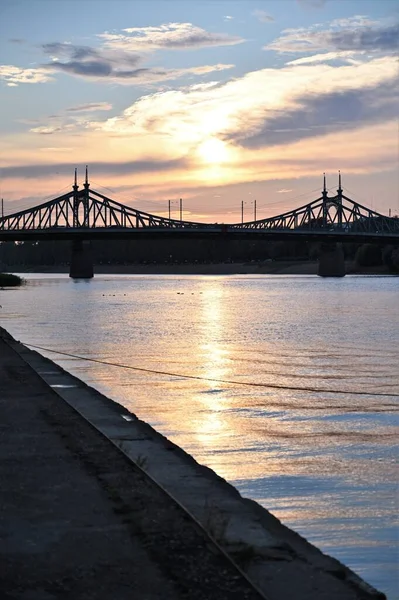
242 209
254 203
170 202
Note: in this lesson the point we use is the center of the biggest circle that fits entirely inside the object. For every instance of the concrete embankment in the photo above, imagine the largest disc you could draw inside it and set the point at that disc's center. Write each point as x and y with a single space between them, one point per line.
97 504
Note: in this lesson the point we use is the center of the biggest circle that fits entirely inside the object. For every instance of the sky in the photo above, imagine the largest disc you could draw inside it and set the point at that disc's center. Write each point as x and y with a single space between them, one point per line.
217 102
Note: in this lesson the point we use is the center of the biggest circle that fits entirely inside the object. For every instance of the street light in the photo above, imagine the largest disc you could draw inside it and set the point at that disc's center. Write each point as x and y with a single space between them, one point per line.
169 203
254 203
242 211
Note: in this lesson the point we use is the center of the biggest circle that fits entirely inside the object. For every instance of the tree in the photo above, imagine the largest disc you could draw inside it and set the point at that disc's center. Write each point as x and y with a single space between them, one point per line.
368 255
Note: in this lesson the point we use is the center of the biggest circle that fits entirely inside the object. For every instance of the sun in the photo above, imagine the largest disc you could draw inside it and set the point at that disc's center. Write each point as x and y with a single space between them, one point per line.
213 151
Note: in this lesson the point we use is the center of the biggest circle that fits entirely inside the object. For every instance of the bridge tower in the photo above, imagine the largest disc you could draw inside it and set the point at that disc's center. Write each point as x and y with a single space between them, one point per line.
81 265
75 188
324 195
86 200
331 257
339 201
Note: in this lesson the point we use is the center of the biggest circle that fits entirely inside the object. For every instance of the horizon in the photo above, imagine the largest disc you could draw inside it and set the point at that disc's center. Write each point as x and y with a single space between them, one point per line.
165 101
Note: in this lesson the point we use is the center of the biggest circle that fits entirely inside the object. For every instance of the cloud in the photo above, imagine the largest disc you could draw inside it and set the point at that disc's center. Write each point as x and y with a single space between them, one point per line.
263 16
284 191
116 65
265 107
90 107
90 68
356 34
325 57
89 62
318 115
273 123
170 36
45 130
29 171
56 149
57 49
120 57
14 76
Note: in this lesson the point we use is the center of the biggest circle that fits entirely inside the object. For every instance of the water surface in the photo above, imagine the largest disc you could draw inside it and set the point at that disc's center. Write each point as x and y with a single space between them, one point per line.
314 440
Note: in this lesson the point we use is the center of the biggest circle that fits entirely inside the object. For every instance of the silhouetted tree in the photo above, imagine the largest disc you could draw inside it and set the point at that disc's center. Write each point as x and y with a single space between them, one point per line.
368 255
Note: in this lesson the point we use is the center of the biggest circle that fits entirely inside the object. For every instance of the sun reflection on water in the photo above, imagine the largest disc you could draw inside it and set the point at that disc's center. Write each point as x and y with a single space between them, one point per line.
212 421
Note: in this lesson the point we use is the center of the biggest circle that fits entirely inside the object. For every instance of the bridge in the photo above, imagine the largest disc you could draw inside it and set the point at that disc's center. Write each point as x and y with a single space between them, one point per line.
85 214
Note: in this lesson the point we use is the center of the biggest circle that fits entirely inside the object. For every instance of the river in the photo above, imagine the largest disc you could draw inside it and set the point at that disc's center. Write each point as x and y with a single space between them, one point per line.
313 438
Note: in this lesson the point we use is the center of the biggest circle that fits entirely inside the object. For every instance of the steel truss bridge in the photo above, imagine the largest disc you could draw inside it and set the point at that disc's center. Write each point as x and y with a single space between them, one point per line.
85 214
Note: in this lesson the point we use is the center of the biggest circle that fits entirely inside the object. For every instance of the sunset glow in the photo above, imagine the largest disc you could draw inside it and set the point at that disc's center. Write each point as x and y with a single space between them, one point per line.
213 151
165 101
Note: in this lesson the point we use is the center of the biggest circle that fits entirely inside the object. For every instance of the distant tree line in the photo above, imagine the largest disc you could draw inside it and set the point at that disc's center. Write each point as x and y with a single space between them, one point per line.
125 252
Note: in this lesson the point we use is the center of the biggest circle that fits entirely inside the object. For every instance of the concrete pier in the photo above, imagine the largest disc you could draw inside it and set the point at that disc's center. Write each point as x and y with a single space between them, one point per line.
81 266
331 260
96 503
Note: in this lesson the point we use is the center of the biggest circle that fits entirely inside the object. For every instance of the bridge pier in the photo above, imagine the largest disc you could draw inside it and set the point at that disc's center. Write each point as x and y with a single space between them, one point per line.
331 260
81 265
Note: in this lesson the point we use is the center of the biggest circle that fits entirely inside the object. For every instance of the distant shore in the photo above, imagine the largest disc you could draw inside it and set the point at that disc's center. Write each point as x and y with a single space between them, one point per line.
278 267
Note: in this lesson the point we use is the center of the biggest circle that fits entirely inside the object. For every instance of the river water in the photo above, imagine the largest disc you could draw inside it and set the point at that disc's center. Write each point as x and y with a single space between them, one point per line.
313 438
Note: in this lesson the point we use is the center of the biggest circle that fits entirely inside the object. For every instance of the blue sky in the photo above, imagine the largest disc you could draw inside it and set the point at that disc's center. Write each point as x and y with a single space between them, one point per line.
217 101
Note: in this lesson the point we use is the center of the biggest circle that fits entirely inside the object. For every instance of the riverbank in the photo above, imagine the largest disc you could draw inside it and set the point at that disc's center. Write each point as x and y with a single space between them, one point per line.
269 267
279 561
79 520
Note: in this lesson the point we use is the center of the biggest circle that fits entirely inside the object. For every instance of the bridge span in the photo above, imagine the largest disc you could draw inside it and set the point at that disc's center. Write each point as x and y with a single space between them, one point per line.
85 214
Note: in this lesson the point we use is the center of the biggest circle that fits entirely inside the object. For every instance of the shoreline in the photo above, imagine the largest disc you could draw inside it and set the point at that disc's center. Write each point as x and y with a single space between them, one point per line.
242 268
272 555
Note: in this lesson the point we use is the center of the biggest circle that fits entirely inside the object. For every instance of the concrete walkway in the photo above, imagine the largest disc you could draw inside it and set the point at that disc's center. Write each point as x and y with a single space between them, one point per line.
78 520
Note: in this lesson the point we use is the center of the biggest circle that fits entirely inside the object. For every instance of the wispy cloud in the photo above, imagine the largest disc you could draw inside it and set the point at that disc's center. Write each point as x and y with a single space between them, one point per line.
170 36
45 130
90 107
14 76
263 16
116 168
121 57
284 191
346 56
115 64
90 62
356 34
